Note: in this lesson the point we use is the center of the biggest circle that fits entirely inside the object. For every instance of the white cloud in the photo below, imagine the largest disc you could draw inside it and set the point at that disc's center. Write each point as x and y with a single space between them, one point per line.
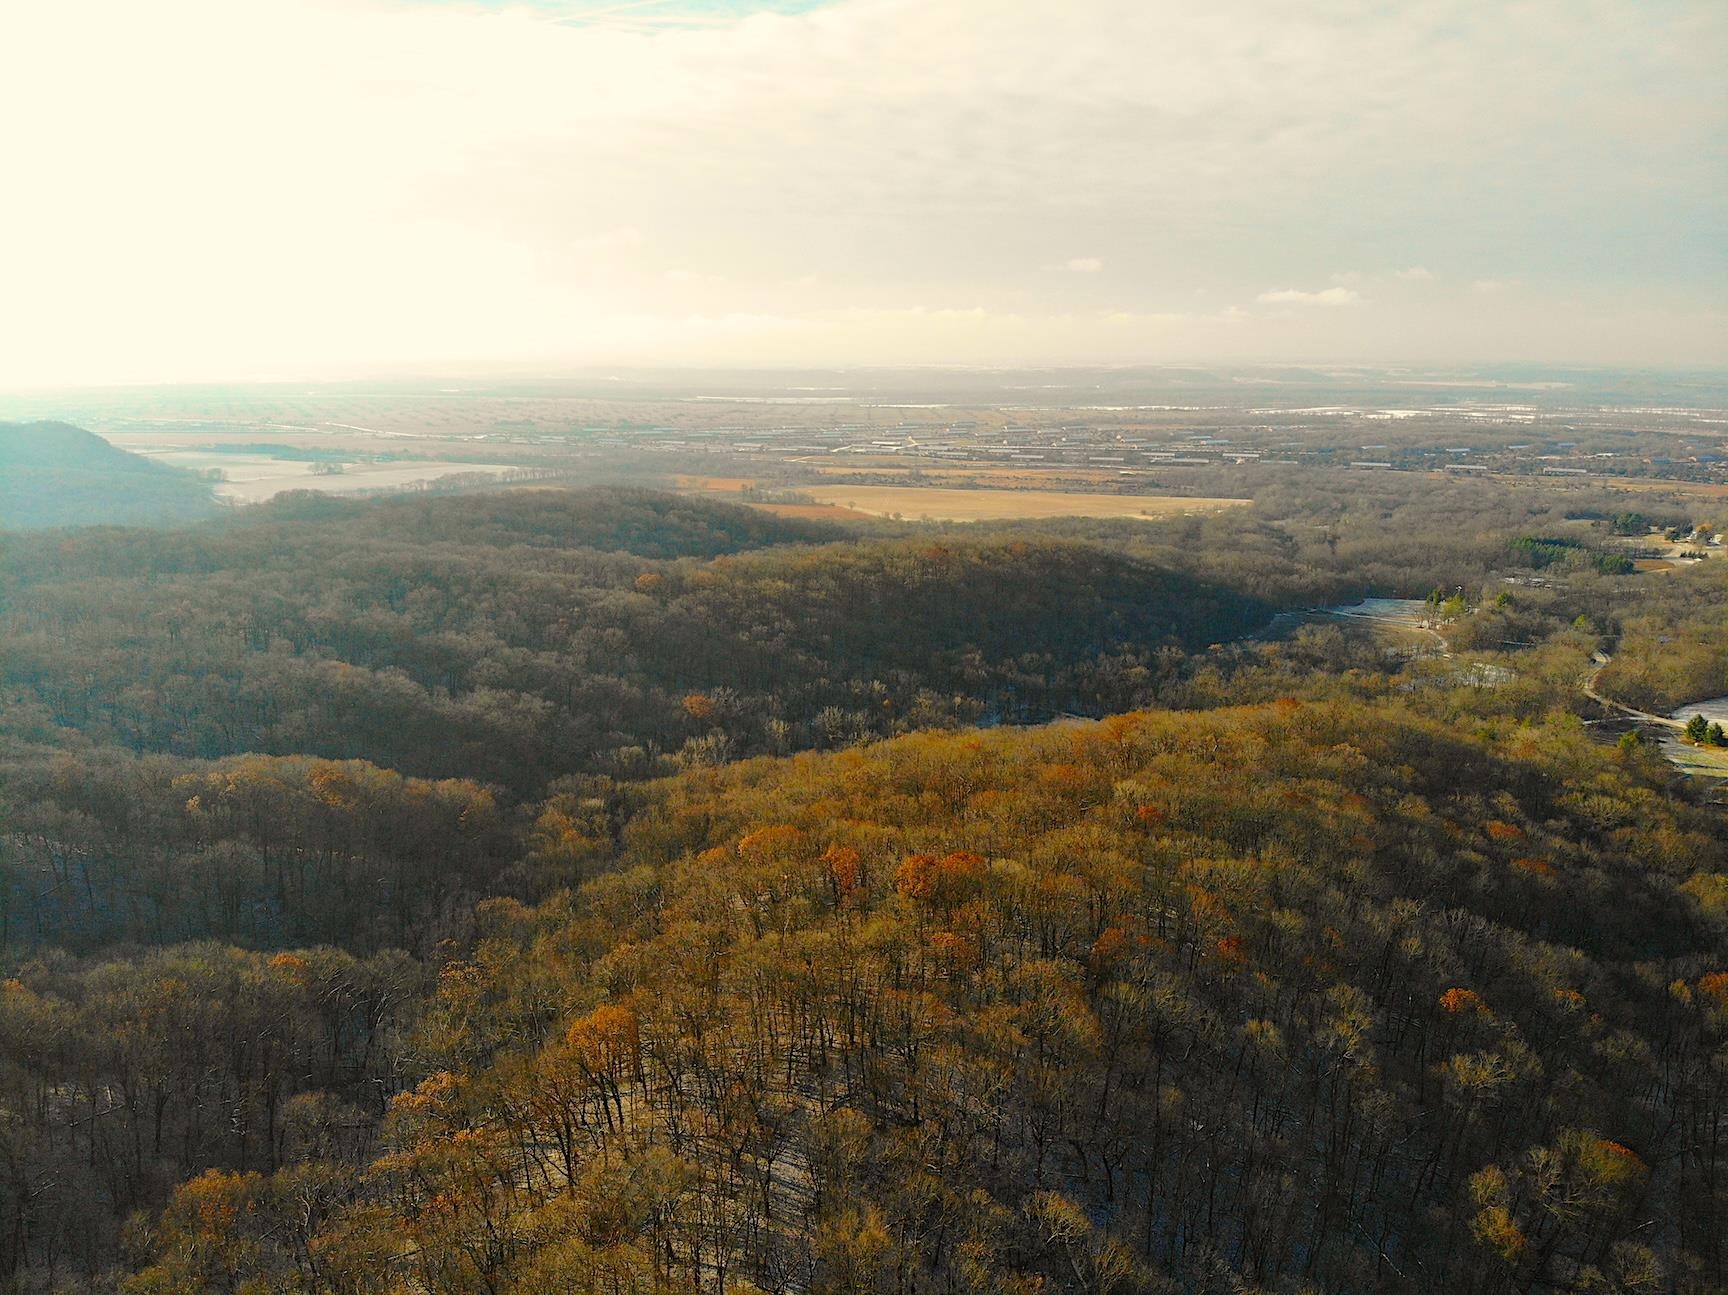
1146 319
1297 297
307 186
1488 287
694 277
607 242
1416 274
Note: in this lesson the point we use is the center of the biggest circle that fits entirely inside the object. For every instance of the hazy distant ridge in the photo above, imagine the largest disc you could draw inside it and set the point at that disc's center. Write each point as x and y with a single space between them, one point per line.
54 474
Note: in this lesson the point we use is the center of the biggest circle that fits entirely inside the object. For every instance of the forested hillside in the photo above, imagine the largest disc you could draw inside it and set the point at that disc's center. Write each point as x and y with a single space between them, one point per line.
384 908
1306 995
52 474
512 639
1674 648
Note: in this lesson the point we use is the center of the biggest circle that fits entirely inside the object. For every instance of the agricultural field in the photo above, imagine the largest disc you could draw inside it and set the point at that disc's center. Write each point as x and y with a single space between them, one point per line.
943 505
253 478
257 464
813 512
971 475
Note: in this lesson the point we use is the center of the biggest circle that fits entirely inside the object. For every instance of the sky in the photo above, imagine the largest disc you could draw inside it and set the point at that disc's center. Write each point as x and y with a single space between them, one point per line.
197 190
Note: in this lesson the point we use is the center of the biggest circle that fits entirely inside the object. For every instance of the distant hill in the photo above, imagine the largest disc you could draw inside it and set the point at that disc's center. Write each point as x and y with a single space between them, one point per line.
519 637
53 474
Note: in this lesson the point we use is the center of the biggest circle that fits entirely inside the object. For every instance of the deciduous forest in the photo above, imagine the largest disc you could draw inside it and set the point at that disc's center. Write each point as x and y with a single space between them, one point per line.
605 891
863 647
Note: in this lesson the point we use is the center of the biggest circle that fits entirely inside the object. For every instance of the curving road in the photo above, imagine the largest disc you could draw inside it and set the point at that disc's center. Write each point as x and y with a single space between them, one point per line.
1602 660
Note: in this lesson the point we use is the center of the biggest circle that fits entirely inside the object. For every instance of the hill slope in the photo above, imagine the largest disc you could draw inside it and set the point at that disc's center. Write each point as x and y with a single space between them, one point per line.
1297 997
508 638
53 474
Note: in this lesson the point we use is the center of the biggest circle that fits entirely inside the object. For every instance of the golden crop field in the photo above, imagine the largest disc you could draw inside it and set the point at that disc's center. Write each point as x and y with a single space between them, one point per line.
936 504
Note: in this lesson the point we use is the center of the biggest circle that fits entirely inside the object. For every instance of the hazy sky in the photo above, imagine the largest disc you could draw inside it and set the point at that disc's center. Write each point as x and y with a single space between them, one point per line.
299 188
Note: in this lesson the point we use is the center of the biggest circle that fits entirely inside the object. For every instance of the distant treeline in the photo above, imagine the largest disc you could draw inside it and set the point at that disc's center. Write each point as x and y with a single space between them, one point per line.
1318 537
291 453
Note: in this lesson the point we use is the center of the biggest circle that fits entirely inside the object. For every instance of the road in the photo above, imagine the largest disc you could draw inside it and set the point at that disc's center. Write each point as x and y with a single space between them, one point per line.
1602 660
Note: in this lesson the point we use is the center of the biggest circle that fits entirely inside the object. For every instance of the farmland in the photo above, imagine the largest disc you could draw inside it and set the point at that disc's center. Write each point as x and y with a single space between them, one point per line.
937 504
251 471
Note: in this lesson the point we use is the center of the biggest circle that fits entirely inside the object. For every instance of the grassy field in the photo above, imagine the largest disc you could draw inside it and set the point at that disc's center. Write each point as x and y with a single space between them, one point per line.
1708 761
917 503
1704 762
814 512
